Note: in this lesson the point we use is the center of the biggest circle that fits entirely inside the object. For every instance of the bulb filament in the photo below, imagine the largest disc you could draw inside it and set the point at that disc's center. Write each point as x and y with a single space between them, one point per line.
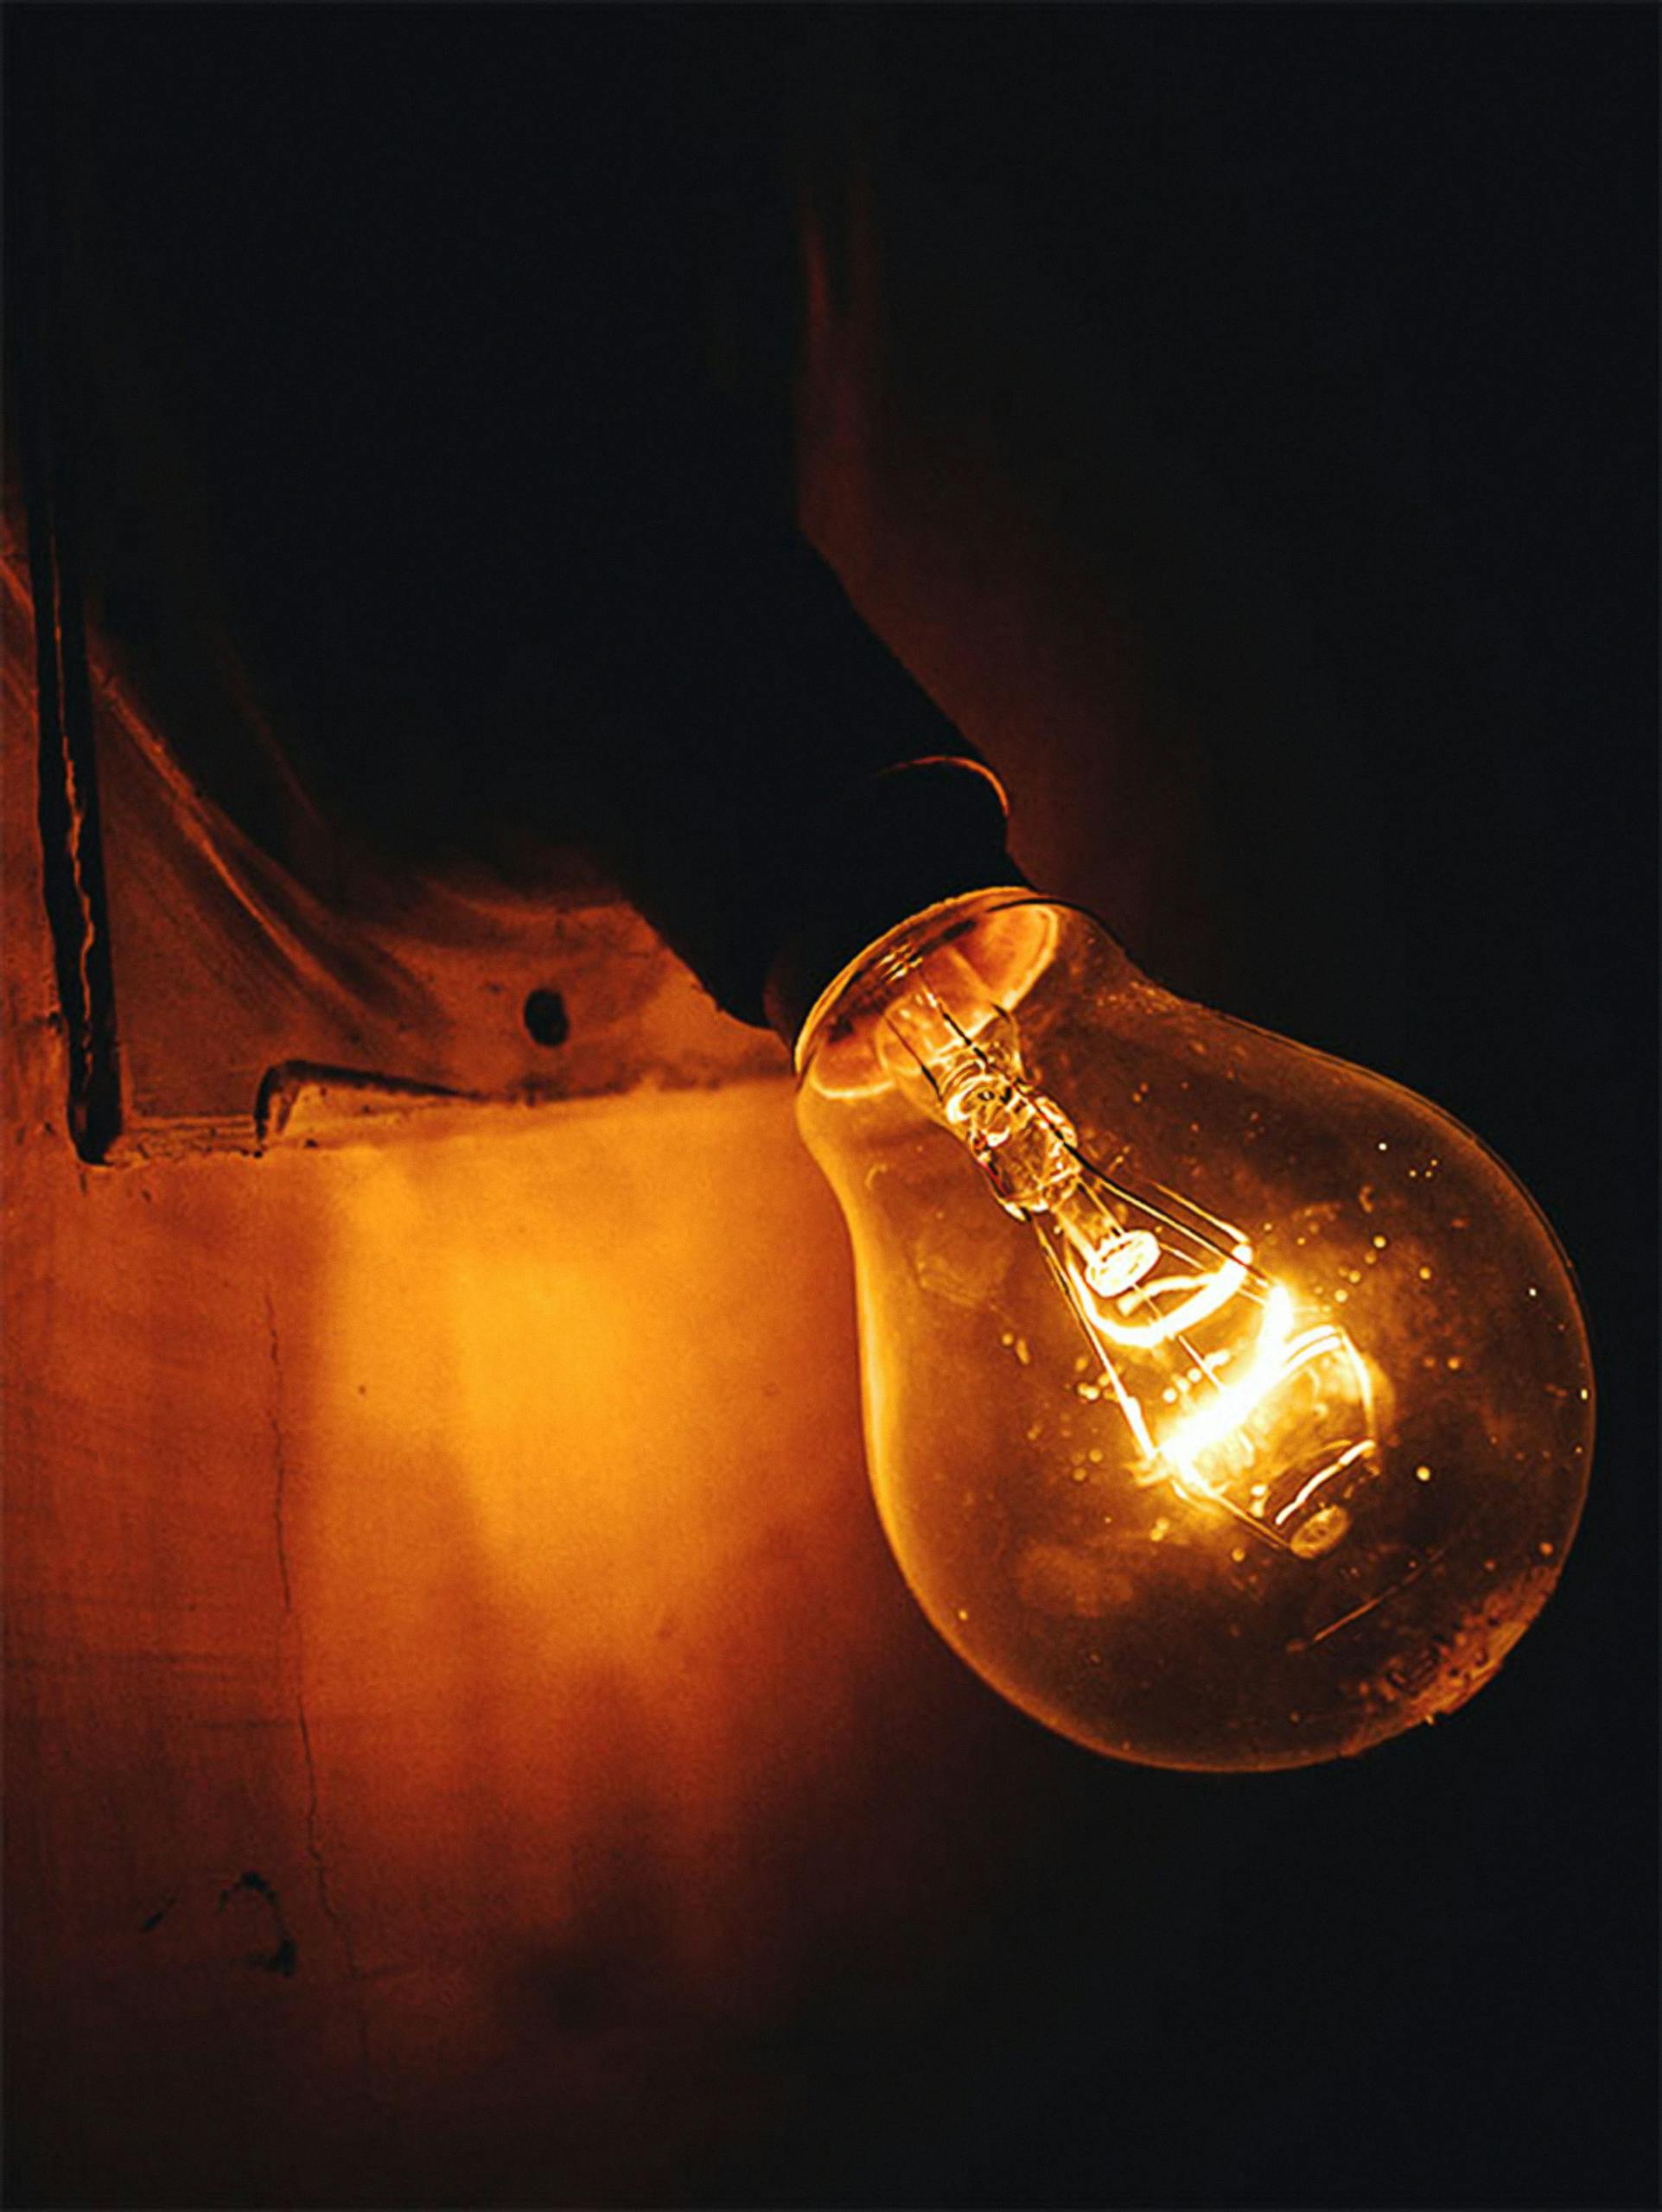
1231 1404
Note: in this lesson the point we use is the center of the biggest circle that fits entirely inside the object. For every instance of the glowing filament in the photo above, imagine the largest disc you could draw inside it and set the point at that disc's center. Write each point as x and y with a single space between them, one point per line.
1134 1316
1210 1293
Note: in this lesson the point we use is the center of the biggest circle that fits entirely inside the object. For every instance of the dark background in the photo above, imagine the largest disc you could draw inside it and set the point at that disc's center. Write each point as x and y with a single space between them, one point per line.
429 381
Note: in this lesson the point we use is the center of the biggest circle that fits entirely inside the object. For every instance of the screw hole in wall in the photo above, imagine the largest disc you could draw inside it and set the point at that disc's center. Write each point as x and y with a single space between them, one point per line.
545 1017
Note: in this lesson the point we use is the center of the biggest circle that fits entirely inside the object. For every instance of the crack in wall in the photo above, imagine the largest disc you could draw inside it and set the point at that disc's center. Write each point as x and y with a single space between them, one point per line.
291 1638
72 872
279 1459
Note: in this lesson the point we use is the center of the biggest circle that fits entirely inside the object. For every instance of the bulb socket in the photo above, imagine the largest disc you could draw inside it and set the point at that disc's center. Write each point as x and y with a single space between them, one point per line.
916 833
778 789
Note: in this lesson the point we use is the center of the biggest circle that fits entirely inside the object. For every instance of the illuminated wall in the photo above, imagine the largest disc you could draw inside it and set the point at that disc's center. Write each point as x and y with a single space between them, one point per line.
462 1701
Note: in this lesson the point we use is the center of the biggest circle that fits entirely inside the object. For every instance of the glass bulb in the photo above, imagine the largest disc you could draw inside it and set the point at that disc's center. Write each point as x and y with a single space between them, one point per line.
1227 1406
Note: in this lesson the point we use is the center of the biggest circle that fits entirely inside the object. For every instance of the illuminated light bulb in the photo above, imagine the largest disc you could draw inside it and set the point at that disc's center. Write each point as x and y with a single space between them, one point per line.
1227 1406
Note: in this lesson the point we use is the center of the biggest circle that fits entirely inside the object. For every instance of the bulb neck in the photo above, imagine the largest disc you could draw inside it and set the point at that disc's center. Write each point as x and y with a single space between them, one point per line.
907 839
778 786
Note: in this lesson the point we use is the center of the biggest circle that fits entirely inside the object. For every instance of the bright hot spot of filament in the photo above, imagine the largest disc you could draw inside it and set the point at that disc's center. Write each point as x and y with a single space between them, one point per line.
1207 1294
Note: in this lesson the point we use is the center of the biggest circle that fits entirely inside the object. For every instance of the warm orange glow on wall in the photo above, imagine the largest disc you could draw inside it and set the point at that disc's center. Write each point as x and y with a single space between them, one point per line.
458 1702
555 1408
465 1532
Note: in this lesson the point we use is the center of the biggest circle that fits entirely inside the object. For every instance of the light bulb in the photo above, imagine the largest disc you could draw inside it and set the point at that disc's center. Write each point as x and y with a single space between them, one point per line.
1227 1406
